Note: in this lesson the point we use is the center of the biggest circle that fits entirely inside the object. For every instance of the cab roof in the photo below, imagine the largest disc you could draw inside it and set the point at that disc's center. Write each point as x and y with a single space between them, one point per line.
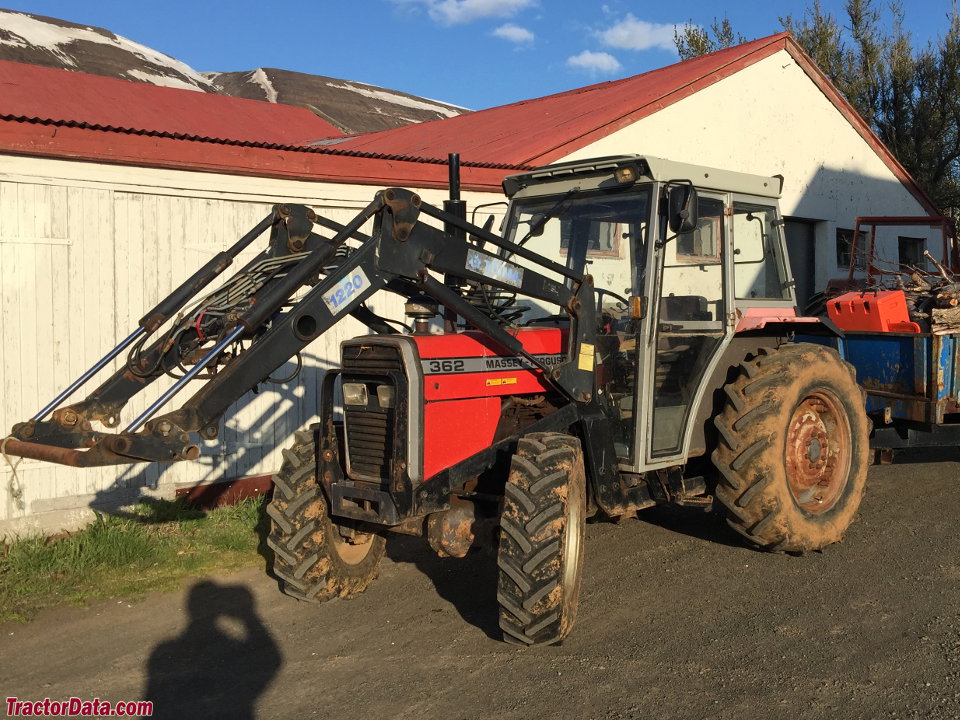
599 173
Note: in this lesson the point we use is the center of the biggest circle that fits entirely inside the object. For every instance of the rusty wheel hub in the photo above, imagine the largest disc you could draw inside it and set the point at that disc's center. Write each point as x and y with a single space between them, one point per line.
818 452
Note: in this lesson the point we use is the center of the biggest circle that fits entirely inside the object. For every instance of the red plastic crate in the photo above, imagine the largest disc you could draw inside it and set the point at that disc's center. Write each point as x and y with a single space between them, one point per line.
879 311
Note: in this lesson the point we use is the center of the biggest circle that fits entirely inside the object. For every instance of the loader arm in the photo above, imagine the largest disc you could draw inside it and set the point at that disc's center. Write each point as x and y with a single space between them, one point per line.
234 338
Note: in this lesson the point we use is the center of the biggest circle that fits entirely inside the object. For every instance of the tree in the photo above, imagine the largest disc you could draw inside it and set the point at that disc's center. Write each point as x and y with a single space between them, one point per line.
926 134
821 37
692 40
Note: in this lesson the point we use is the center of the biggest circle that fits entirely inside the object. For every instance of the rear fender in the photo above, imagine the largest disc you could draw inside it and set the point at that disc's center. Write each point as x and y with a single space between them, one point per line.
743 345
777 325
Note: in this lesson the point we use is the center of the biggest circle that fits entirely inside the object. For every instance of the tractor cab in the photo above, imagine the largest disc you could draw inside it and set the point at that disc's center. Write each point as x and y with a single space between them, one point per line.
679 256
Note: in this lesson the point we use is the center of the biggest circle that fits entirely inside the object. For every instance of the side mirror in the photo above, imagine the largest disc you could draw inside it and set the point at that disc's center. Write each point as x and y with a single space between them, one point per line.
682 208
487 227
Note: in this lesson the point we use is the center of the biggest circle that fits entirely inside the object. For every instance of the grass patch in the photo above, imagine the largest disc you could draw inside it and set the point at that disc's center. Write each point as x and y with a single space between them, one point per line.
153 548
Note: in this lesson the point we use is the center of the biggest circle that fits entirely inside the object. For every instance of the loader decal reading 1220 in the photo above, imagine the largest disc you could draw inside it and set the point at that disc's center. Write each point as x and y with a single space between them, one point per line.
344 290
605 378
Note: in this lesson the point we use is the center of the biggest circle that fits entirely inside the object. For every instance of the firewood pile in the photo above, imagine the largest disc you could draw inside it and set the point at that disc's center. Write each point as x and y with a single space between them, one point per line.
933 299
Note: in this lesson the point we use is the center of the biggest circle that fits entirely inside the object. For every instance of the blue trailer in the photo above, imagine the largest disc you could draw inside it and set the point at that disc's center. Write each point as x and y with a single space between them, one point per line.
912 381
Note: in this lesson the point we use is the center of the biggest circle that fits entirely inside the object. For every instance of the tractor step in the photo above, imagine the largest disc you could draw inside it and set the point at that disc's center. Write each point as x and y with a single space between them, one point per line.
692 493
705 502
693 486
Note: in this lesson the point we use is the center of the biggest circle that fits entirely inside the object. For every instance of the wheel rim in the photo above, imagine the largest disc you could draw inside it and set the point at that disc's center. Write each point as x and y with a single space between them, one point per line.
818 452
571 547
352 553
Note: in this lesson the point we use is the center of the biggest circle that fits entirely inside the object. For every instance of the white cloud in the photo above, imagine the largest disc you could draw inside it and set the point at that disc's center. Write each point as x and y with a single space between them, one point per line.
456 12
594 62
513 33
633 34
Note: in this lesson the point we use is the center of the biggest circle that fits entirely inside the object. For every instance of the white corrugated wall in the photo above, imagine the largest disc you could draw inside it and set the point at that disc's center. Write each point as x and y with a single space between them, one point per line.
85 251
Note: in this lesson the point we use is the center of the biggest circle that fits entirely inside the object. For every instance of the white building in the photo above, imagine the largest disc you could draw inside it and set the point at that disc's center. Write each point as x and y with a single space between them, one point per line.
111 193
762 107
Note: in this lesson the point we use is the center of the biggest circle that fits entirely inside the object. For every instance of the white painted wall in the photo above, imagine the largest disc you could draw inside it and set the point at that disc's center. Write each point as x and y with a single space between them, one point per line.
85 251
770 119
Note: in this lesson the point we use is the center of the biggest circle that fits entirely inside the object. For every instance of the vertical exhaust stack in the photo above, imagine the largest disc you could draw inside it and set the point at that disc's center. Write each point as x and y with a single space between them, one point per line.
454 205
457 207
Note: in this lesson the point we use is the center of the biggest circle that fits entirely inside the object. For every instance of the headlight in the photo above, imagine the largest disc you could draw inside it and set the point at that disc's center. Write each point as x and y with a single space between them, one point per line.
626 174
355 394
386 396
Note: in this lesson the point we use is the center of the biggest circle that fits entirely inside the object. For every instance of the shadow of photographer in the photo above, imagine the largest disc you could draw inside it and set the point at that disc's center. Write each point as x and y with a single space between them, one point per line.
220 664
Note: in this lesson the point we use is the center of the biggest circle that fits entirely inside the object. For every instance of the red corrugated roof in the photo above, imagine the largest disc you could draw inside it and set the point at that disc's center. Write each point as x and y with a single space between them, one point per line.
75 116
543 130
538 131
108 120
31 92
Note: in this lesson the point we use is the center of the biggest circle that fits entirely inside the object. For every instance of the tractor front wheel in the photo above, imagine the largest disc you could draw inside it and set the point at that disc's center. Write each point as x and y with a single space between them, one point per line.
315 557
793 448
540 556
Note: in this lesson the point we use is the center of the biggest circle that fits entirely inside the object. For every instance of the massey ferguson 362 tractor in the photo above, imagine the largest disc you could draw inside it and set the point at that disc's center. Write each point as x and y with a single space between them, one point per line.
629 332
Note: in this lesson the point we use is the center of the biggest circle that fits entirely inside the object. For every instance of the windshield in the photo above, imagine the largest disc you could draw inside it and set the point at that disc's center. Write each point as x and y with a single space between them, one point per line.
600 233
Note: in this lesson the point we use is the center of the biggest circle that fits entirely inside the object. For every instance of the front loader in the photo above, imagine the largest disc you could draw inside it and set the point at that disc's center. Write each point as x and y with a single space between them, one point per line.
625 343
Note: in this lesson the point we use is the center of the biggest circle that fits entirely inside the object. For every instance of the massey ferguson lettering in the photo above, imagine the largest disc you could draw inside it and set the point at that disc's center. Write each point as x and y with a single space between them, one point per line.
449 366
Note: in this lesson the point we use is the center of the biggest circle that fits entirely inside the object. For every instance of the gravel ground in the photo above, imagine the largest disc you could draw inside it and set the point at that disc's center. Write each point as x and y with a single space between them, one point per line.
677 620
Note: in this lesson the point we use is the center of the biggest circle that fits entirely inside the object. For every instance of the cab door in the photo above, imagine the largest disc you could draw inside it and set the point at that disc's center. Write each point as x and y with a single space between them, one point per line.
690 303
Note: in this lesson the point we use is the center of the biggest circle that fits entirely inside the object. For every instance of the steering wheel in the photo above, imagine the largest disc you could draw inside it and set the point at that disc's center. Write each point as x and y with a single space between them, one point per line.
619 298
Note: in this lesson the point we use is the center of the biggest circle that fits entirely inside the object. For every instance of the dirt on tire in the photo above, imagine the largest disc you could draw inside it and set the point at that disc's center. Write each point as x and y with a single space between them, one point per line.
793 448
540 555
311 560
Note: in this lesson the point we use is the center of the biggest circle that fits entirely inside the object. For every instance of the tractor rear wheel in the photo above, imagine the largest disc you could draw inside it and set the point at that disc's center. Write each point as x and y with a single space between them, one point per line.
315 558
540 556
793 448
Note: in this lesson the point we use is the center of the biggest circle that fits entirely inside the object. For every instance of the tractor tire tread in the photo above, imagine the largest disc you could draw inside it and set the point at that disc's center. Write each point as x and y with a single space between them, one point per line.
546 474
750 450
302 534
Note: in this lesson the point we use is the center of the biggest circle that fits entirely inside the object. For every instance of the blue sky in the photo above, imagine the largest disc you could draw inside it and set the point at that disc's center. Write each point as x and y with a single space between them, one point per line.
474 53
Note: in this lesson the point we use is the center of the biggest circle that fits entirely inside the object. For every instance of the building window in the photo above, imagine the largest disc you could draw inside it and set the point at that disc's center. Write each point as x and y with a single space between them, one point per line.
703 244
603 237
911 252
845 246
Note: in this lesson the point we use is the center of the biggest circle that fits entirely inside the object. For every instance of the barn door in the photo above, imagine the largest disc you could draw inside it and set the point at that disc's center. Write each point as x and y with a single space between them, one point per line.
801 249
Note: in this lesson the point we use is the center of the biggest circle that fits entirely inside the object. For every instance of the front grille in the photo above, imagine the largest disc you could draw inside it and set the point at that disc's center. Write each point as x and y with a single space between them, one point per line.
371 430
379 359
369 442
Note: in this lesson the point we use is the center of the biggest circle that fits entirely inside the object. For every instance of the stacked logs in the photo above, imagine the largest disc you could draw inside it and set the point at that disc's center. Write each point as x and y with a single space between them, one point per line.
933 299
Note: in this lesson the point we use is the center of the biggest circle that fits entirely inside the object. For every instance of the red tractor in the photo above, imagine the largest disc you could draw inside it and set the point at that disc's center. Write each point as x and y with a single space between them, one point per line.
629 332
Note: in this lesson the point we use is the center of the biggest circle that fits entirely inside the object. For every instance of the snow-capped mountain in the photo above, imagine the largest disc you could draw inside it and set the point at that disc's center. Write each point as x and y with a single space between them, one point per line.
57 43
351 106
